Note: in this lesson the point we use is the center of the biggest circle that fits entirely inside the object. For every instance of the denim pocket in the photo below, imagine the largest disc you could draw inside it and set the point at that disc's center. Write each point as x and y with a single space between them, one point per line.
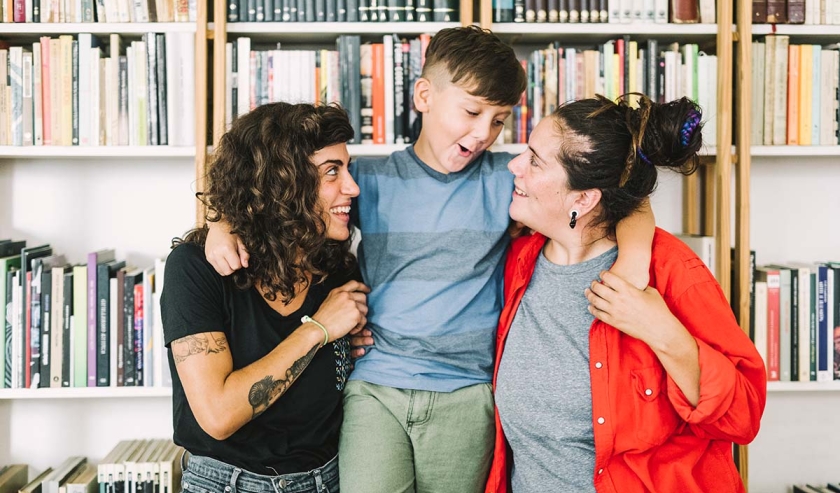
199 484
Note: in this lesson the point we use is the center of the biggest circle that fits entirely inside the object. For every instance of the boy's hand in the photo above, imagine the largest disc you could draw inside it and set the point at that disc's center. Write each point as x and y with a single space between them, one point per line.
360 338
224 250
642 314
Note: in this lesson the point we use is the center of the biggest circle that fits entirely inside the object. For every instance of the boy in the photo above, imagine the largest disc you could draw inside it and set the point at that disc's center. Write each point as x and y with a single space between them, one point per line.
418 409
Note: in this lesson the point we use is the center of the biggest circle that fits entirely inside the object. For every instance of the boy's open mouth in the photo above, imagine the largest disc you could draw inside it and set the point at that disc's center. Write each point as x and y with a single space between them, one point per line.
464 151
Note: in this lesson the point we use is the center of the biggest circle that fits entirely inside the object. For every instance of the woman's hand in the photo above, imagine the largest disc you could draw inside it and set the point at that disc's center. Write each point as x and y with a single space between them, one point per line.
224 250
642 314
344 310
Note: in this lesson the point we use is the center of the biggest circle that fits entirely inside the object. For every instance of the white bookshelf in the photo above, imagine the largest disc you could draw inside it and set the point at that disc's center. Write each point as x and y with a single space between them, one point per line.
795 151
327 32
46 28
85 393
95 152
833 386
79 199
799 30
606 29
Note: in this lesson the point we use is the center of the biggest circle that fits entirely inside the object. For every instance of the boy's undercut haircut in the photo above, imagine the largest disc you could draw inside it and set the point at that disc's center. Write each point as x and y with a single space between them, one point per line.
477 60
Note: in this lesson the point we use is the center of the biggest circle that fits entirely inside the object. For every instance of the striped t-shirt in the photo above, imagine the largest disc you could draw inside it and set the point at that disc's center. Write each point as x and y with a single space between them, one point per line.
431 251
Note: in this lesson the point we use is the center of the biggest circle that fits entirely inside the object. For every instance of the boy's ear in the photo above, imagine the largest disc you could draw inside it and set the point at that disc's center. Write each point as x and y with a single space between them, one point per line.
422 94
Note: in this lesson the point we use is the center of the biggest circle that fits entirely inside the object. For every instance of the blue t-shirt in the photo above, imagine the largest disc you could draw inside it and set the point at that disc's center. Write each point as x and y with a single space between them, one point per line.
431 251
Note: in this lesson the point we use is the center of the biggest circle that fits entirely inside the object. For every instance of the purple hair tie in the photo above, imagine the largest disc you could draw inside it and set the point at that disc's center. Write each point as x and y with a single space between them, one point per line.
643 157
692 121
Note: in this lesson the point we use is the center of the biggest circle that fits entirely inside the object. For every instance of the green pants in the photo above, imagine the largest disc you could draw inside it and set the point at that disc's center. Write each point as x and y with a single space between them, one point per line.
414 441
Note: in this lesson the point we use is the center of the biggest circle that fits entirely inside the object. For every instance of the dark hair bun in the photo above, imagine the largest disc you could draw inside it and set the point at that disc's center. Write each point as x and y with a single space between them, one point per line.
671 133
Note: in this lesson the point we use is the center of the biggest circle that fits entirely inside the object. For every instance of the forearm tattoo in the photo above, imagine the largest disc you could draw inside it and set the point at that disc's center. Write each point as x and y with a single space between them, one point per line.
197 344
266 390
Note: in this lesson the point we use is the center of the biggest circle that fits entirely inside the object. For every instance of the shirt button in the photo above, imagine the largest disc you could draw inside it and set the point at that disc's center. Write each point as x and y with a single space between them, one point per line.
648 392
600 471
598 365
601 420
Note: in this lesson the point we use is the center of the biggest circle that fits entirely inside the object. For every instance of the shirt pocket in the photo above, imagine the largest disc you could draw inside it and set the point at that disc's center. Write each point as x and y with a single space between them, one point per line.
655 419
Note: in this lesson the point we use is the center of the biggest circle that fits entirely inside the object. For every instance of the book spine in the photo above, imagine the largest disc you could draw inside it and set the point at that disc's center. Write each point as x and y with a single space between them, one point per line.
128 332
162 100
103 345
399 94
46 328
138 334
74 93
66 331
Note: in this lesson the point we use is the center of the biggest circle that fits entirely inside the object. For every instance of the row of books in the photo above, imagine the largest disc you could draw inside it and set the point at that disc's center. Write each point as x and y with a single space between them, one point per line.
132 466
65 91
795 93
563 73
374 82
93 324
816 488
343 11
600 11
796 11
796 326
98 11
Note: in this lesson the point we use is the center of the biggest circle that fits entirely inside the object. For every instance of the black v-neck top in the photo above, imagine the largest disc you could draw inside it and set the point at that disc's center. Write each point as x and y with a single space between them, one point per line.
299 432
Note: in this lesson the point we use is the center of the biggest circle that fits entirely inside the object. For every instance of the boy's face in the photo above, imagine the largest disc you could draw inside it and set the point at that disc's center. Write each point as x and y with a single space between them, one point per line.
457 126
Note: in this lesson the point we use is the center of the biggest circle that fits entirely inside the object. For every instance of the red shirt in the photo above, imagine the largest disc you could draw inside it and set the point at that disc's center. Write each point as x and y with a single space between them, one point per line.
648 437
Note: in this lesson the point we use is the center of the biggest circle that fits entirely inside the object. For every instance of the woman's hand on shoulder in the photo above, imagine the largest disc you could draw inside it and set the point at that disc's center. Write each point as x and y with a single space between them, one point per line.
344 310
224 250
638 313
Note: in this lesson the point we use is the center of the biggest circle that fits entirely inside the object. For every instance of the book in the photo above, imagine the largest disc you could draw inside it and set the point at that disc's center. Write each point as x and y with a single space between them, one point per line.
13 478
34 486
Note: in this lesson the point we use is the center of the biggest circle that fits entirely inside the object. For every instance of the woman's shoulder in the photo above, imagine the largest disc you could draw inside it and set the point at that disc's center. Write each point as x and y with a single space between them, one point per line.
675 265
187 259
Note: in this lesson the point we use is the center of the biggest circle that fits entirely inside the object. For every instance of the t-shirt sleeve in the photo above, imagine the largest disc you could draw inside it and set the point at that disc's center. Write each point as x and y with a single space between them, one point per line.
193 299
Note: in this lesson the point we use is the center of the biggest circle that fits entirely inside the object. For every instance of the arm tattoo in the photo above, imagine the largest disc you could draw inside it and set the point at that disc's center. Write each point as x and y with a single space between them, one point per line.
265 391
197 344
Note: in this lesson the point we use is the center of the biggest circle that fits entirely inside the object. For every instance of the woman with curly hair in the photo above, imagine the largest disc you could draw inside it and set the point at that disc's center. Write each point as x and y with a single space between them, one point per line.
259 358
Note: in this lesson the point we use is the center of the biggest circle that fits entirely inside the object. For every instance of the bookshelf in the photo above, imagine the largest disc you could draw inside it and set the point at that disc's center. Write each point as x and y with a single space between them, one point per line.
79 199
786 202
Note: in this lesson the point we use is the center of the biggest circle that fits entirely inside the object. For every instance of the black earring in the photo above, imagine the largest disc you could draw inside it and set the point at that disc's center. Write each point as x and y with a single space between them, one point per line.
573 222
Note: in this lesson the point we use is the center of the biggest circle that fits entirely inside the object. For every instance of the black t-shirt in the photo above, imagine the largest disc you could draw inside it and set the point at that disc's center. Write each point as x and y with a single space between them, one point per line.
299 431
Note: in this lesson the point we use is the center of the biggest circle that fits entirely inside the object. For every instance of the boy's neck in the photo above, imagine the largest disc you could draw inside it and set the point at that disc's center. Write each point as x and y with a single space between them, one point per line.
423 150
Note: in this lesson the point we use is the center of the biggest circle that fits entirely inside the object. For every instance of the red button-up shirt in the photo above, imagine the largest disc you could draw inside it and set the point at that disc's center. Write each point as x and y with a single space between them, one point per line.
648 437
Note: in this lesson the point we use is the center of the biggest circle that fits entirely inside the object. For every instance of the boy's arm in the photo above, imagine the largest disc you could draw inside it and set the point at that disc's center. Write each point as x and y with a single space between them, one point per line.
634 235
223 249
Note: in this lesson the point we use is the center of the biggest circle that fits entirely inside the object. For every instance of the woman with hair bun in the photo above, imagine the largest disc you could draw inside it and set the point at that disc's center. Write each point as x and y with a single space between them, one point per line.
600 386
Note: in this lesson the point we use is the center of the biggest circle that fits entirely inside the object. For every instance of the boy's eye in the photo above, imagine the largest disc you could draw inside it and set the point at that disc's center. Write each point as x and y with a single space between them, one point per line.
533 161
472 113
498 123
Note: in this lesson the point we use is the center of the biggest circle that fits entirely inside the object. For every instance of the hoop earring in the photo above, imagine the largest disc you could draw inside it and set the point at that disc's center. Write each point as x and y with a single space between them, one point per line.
573 222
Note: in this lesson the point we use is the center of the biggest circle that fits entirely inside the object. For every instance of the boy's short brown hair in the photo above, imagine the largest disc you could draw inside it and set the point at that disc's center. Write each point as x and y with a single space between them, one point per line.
479 61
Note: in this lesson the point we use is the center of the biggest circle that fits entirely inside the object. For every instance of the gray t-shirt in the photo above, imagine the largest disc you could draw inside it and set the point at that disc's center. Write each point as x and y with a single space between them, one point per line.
543 389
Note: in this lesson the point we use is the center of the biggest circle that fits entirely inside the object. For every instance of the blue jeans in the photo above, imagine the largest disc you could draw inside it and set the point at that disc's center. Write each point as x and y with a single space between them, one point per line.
206 475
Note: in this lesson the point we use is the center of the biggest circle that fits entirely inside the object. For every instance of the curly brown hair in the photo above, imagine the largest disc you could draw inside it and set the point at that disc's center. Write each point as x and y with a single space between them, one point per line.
263 183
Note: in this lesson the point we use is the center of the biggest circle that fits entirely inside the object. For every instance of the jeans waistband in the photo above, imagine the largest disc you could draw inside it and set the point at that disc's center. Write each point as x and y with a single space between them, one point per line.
236 477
